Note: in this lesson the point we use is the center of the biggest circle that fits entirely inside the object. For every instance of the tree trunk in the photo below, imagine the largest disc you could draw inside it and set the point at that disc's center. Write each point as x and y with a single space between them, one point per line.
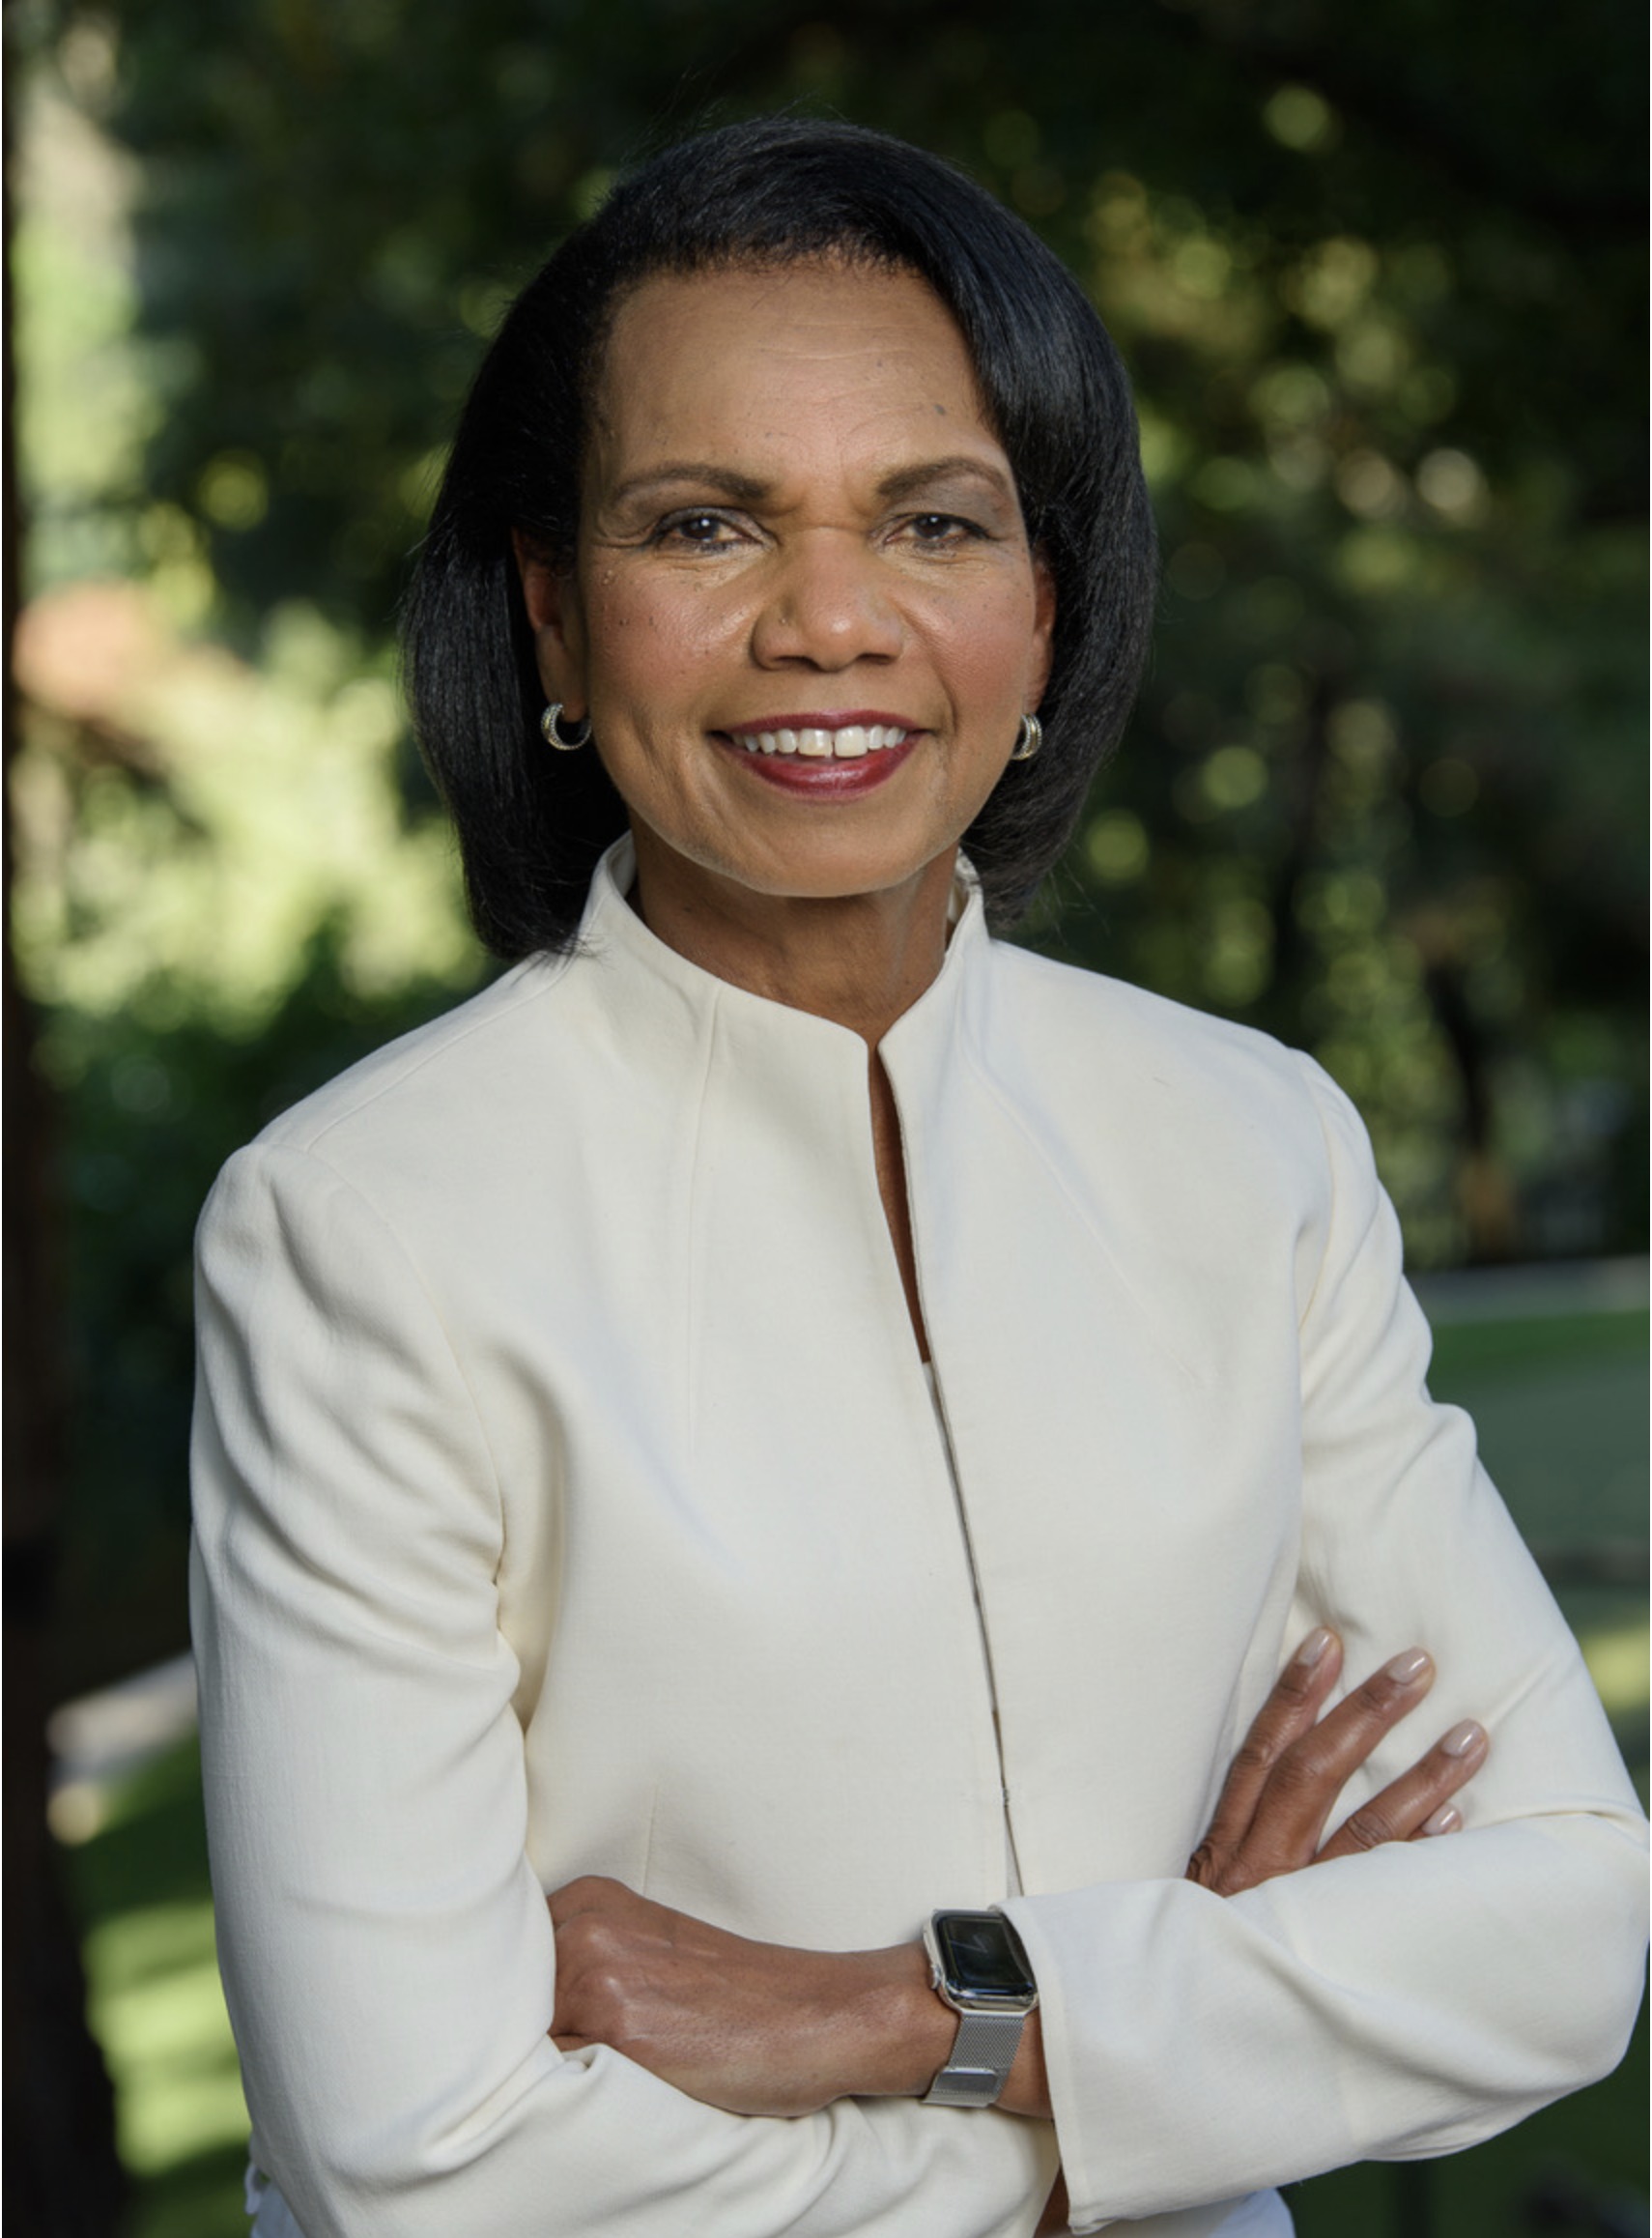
62 2176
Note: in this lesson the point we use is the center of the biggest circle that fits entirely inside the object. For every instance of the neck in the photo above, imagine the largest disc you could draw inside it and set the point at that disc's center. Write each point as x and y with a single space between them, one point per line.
859 959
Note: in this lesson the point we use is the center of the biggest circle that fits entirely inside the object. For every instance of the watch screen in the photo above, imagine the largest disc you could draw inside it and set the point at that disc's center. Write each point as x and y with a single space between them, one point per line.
979 1952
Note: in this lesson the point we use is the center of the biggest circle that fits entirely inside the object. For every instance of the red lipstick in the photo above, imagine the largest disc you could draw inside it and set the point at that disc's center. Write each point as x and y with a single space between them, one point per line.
795 758
820 777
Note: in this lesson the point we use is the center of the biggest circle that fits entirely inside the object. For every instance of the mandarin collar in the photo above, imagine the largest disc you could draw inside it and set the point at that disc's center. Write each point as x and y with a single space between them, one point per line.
615 934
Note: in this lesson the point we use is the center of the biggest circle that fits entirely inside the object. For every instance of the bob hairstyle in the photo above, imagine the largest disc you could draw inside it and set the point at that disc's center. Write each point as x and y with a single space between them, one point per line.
531 823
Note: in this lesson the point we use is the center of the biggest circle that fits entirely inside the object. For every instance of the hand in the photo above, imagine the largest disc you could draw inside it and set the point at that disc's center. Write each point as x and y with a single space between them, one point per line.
1273 1806
755 2027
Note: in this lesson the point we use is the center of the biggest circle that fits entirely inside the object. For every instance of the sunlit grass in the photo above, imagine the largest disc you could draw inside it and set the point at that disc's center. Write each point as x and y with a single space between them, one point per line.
155 2004
1620 1664
158 2011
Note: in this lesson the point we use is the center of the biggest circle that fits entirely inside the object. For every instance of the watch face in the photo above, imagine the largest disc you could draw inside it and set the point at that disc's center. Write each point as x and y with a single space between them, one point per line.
981 1955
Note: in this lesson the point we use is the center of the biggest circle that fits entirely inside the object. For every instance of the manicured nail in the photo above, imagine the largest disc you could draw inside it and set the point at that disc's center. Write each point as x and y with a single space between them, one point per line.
1404 1670
1445 1820
1462 1740
1313 1648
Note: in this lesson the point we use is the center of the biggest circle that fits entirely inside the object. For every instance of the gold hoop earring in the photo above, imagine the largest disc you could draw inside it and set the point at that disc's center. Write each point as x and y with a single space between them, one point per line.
1028 738
551 729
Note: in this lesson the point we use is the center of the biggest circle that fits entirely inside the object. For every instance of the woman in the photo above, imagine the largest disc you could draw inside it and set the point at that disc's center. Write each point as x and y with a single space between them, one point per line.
784 1413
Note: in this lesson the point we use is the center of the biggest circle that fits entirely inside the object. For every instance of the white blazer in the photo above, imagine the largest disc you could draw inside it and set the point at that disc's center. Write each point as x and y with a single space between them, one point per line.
569 1499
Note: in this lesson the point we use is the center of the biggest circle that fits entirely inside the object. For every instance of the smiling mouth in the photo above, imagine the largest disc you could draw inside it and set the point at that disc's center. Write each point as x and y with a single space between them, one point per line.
853 742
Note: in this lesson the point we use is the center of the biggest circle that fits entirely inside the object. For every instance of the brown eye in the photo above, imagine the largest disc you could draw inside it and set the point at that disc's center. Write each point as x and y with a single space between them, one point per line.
942 528
706 531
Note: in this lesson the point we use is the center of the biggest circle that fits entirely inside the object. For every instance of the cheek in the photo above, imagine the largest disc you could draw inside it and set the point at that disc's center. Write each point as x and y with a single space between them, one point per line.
646 649
991 652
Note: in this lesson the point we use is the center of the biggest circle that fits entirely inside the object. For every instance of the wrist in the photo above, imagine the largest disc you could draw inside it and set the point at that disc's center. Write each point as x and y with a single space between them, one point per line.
979 1970
902 2030
900 2033
1028 2089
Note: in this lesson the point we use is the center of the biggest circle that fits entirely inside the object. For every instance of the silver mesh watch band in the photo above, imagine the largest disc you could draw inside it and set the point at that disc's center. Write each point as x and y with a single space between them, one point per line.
983 2052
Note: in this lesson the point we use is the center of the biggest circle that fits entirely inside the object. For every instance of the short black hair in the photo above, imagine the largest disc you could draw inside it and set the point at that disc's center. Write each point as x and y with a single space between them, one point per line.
531 823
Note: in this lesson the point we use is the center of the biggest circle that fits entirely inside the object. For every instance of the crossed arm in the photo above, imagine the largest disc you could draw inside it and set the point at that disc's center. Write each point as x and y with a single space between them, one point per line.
387 1948
760 2028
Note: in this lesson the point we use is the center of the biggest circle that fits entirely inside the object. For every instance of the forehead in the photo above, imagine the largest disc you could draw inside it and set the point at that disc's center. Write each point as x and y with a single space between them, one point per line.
772 355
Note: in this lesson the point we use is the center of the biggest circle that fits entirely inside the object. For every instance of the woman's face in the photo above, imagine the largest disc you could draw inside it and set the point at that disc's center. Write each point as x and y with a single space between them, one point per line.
803 617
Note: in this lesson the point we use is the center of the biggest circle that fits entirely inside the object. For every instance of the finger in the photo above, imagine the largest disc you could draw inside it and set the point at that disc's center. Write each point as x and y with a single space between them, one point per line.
1290 1710
1418 1801
1313 1771
591 1892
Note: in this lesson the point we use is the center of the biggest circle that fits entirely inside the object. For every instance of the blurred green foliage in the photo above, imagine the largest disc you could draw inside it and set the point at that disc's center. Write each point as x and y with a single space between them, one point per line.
1378 274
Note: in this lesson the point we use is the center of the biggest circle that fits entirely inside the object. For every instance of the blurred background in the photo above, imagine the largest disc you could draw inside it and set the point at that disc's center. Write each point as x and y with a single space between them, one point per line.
1378 271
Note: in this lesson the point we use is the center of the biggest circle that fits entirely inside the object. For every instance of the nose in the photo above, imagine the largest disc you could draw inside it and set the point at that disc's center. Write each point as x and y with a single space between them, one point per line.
825 606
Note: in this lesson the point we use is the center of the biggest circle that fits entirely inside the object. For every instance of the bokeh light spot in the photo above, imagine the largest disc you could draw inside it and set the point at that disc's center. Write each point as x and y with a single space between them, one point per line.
1449 787
1227 486
1273 692
1201 267
1233 776
1331 282
1362 733
1450 481
234 490
1300 119
1116 846
1369 485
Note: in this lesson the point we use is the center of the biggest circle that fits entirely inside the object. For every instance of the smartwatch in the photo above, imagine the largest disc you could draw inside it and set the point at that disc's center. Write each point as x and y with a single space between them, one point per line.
978 1966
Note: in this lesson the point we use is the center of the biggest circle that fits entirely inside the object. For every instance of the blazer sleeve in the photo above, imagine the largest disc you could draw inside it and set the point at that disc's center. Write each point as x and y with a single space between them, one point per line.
1421 1996
386 1953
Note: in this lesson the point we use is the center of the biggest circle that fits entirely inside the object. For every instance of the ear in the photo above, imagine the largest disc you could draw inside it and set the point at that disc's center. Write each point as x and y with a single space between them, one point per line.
1043 632
551 594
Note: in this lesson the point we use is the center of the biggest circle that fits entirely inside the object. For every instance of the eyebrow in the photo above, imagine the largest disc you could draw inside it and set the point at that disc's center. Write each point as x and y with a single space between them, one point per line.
744 489
750 490
907 481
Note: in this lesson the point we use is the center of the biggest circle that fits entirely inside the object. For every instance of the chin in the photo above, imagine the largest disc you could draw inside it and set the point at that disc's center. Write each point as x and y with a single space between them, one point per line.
847 880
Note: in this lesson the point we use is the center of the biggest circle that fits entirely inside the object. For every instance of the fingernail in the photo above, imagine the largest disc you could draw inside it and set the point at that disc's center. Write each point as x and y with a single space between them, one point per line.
1404 1670
1462 1740
1445 1820
1313 1648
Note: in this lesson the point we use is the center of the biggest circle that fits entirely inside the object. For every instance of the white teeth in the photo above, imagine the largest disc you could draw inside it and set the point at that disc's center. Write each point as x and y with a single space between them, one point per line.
848 744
